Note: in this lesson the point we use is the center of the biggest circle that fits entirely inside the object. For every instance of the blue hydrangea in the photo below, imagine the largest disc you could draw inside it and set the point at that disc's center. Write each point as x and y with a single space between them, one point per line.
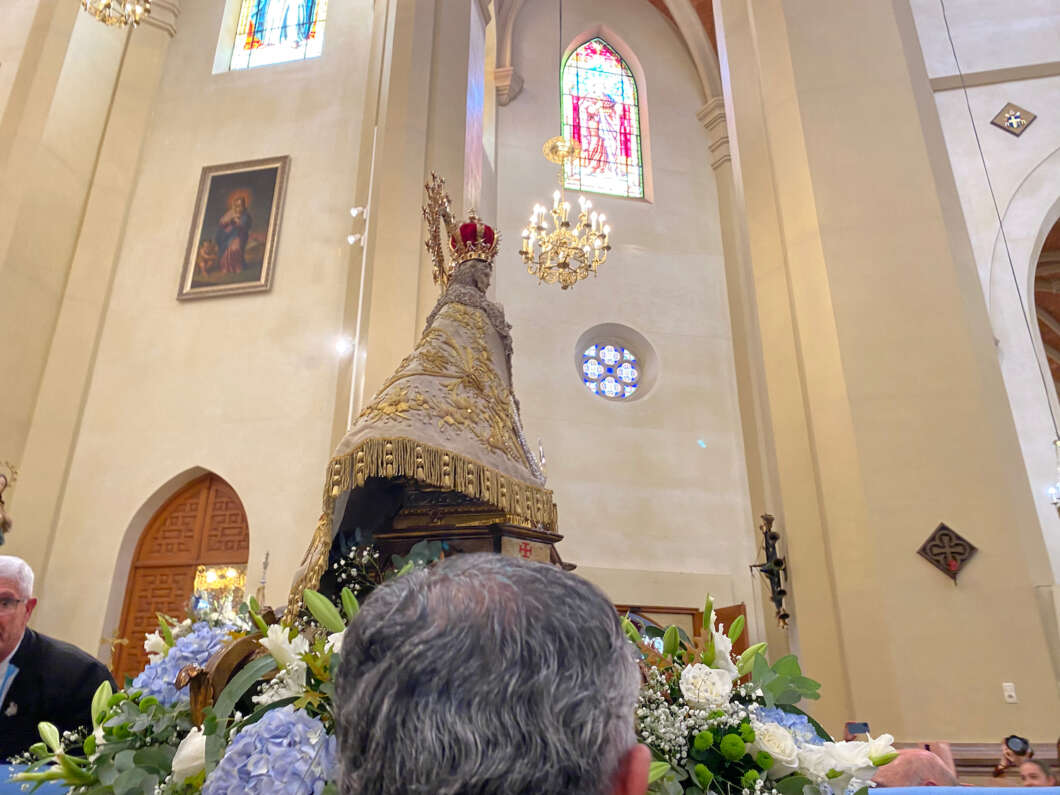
799 725
287 752
198 646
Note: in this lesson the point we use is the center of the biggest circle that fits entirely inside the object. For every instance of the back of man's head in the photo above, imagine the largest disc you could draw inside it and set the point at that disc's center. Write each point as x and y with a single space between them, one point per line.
915 767
485 674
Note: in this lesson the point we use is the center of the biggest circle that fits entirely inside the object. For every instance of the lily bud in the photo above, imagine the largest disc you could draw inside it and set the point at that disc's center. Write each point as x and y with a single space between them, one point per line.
630 629
736 628
708 612
50 735
747 659
671 640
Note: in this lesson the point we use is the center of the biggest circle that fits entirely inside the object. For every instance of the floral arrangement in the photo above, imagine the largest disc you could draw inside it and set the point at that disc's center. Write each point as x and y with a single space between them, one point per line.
271 728
710 730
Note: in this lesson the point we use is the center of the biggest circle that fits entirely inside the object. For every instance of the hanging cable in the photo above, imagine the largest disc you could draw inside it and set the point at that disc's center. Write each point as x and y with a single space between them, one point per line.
1001 227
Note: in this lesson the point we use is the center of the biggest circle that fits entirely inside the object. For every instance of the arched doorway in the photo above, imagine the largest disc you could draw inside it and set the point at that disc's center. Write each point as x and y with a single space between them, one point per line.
202 525
1047 299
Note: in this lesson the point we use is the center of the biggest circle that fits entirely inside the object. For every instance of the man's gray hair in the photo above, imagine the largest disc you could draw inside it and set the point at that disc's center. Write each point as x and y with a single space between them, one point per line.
12 568
485 674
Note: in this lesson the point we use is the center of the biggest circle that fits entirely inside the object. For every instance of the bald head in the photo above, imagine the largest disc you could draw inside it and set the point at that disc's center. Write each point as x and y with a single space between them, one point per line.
915 767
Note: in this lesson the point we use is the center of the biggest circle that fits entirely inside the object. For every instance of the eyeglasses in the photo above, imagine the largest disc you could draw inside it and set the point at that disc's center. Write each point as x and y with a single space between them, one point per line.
8 605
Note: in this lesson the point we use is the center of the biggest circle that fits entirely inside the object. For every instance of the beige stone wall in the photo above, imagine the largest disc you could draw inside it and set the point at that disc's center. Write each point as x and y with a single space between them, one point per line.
1006 58
887 405
647 513
242 386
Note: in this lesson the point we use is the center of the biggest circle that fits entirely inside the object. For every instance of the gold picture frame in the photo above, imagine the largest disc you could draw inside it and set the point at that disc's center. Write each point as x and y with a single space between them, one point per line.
232 242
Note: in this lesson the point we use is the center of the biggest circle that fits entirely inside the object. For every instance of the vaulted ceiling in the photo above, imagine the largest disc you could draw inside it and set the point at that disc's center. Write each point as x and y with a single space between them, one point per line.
705 10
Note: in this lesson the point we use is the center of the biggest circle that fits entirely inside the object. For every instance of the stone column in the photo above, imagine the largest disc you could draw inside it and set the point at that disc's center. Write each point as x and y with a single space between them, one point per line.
71 348
886 406
417 121
747 352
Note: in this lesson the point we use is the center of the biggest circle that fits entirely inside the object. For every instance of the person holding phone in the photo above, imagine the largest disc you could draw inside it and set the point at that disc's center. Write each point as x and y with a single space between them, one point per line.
1015 750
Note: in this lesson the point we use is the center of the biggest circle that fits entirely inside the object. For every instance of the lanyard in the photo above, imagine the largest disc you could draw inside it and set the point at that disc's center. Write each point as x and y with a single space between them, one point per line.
9 677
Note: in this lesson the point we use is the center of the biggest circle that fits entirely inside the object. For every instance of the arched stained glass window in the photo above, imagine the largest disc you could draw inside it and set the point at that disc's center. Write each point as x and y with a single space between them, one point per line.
274 31
600 112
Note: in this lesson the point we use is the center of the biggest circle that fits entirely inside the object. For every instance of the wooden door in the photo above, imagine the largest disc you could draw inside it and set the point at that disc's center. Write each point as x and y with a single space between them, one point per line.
202 524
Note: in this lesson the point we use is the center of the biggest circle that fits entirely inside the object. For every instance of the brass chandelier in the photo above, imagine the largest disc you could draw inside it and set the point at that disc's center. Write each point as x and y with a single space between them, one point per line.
572 249
118 13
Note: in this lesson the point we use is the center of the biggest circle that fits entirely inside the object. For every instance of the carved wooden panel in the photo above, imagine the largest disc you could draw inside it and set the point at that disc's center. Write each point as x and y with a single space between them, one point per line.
172 535
202 524
153 590
226 539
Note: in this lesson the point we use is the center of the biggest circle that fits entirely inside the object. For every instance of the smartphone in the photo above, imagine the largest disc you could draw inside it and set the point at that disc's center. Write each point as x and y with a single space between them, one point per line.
857 728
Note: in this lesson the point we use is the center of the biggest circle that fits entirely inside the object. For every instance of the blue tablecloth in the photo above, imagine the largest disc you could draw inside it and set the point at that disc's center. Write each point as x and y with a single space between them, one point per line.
9 787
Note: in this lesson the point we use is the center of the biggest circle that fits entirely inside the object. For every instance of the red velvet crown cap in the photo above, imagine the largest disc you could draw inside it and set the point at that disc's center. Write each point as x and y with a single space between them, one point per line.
469 234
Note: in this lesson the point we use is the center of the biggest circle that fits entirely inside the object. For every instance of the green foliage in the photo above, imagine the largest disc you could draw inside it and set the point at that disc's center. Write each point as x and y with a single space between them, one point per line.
421 554
783 683
657 770
140 738
217 718
703 776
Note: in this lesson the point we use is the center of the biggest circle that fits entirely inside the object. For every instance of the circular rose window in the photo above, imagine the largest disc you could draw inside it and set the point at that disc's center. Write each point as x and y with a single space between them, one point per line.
610 370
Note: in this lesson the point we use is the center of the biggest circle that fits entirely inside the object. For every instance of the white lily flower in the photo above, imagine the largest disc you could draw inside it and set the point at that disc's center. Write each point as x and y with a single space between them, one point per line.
285 651
155 646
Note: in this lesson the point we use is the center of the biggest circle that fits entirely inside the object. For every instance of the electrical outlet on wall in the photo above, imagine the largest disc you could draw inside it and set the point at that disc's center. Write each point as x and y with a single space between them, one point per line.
1008 692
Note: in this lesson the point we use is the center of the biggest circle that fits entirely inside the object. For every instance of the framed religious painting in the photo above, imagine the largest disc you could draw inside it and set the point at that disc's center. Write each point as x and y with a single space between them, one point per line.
232 243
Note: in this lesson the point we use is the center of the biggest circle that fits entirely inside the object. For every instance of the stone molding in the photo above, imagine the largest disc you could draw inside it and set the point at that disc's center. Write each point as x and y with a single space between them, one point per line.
712 117
163 16
989 77
509 83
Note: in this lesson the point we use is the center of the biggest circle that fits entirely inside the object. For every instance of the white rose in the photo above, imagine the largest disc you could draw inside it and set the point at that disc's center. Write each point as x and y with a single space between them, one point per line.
156 647
190 757
776 741
285 651
704 687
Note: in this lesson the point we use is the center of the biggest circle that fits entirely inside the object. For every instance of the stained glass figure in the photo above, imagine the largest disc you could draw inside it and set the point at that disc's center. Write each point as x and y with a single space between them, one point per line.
275 31
610 370
601 113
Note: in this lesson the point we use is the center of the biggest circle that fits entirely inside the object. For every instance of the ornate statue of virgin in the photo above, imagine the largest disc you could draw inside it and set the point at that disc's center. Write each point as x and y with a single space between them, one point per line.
441 443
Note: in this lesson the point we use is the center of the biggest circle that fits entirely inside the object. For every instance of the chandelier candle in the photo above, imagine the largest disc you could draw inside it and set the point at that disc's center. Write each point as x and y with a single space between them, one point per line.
565 254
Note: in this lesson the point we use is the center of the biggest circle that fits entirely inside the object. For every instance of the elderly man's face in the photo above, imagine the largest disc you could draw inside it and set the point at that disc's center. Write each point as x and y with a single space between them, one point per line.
15 609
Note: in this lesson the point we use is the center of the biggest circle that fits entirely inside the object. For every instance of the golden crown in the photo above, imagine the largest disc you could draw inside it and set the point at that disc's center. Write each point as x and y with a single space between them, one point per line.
471 239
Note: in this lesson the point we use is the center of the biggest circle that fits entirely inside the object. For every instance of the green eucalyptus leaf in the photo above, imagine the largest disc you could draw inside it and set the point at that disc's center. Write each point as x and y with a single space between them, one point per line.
787 666
791 785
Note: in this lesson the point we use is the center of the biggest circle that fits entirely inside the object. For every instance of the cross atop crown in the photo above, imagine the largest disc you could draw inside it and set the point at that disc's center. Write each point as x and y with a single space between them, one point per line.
470 239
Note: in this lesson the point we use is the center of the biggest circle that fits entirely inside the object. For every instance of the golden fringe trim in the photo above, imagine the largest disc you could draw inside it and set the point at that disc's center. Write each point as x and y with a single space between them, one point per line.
407 458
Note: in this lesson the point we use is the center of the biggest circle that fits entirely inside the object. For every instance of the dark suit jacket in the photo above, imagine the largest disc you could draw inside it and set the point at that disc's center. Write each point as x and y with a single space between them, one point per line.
55 683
